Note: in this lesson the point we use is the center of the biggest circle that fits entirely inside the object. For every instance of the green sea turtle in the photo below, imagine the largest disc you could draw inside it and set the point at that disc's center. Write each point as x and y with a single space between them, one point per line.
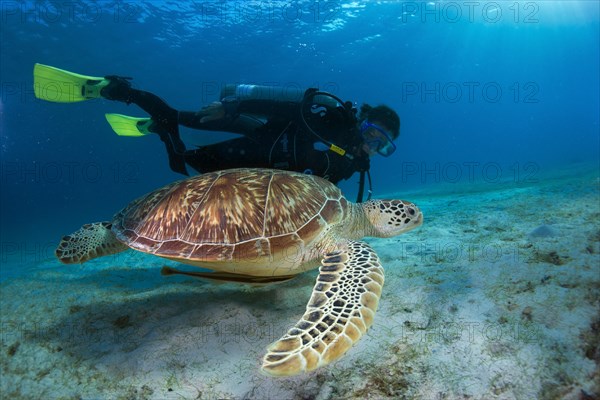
263 226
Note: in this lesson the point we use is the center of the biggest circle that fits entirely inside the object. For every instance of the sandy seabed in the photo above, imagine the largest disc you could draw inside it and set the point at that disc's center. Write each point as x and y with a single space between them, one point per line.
496 296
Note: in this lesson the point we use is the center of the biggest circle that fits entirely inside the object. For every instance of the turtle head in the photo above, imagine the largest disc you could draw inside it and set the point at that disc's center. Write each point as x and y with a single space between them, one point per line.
392 217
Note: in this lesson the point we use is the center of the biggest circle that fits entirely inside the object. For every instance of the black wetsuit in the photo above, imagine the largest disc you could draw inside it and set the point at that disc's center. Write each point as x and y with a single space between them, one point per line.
274 136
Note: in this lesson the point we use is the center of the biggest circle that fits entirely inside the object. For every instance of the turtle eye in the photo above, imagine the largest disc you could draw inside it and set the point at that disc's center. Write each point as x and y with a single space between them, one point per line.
411 211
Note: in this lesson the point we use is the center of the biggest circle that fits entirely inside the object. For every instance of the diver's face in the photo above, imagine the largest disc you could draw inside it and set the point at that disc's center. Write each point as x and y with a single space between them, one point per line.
377 139
369 150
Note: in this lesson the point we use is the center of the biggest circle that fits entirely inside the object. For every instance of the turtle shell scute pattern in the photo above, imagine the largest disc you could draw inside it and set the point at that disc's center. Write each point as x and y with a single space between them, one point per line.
238 213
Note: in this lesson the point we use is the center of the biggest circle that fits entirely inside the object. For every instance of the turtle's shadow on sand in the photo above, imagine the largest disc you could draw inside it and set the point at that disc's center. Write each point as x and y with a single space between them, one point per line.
139 313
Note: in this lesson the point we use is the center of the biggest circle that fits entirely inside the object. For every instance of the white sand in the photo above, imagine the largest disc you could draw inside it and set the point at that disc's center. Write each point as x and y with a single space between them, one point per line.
474 307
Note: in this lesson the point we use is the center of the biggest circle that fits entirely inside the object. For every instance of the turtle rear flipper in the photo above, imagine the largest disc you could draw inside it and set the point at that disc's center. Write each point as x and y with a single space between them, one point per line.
340 311
89 242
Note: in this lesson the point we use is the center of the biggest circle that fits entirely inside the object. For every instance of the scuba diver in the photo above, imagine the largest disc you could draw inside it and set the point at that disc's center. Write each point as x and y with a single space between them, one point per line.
308 131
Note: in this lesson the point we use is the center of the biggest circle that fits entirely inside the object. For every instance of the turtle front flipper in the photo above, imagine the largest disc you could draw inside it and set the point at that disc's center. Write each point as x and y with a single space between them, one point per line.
340 311
89 242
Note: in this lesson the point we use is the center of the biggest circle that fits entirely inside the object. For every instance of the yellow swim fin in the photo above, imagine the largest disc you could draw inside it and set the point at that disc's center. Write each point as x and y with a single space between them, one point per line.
60 86
124 125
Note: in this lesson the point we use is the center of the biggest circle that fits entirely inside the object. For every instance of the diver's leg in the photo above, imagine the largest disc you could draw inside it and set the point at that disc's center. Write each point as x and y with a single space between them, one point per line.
175 147
119 89
164 116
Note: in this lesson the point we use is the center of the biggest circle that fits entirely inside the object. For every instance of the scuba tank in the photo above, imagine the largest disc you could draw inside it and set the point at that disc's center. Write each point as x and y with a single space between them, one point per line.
290 94
260 92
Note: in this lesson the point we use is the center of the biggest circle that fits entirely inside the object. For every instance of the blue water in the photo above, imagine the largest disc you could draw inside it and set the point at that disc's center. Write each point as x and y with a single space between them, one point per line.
487 92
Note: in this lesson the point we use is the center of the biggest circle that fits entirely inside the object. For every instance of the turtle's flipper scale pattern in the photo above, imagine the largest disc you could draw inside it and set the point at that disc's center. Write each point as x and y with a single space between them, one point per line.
340 311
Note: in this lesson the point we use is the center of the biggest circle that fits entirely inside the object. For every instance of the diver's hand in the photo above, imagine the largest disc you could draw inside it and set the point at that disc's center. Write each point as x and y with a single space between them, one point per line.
211 112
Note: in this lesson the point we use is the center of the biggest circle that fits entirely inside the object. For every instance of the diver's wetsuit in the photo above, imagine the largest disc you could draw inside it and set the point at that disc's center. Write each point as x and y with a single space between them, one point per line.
274 136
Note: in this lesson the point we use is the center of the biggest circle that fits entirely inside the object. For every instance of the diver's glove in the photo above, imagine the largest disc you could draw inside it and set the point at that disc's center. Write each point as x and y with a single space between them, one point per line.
212 112
117 89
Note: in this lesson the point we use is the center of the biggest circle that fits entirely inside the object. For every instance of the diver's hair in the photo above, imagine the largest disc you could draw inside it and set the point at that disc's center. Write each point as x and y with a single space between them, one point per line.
383 114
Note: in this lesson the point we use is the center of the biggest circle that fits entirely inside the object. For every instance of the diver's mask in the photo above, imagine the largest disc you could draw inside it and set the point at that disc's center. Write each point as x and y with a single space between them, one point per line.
377 138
